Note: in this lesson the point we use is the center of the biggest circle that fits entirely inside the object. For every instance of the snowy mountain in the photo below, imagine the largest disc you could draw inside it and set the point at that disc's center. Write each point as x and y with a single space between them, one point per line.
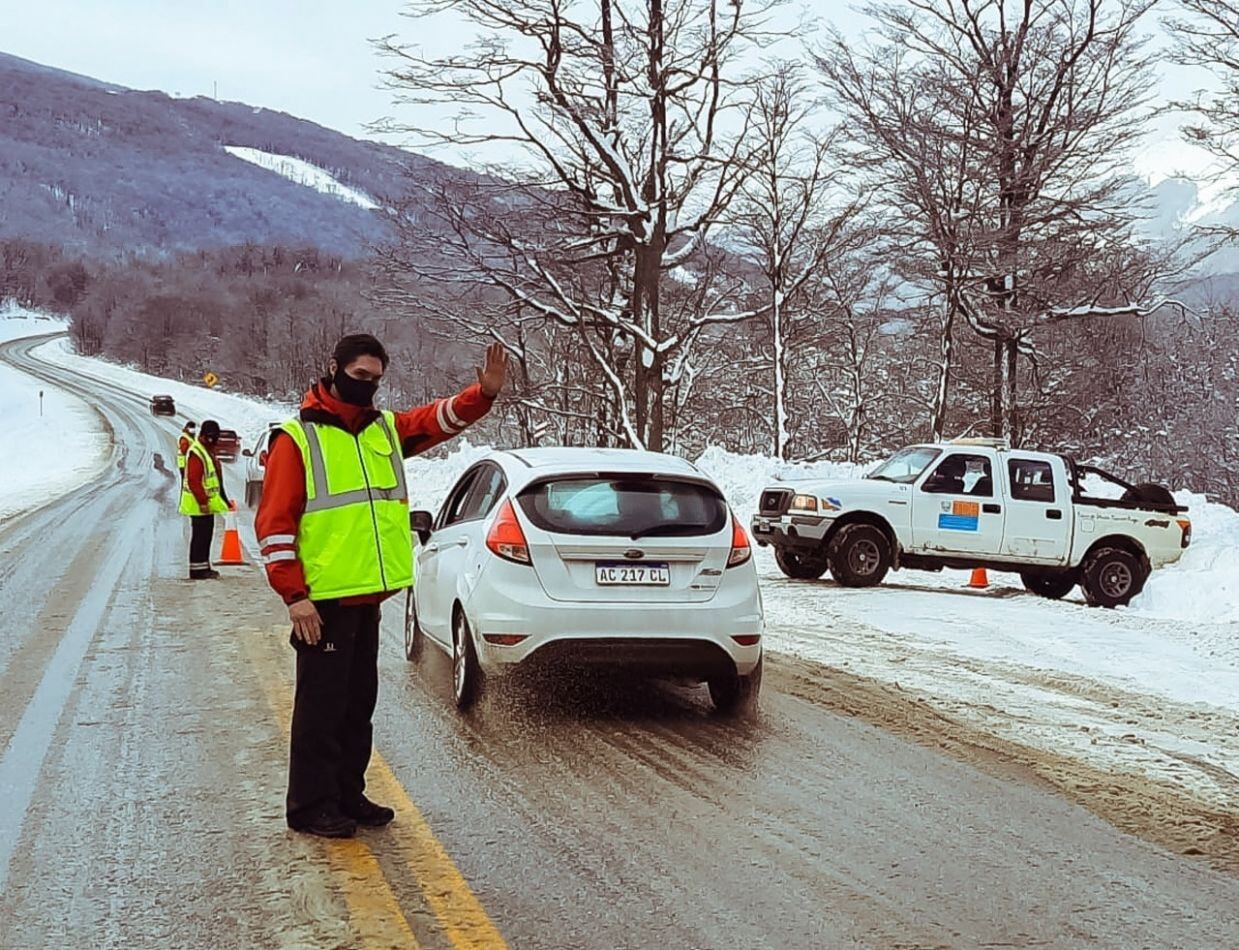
1177 205
105 170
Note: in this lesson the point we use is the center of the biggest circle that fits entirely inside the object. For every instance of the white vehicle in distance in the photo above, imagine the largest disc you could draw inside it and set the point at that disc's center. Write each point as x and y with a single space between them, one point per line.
256 465
598 557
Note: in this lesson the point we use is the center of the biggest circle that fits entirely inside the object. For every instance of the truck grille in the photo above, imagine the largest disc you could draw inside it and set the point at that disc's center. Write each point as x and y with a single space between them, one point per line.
775 501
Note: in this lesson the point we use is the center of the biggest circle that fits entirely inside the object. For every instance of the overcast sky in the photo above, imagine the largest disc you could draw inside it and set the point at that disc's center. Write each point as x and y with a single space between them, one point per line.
311 58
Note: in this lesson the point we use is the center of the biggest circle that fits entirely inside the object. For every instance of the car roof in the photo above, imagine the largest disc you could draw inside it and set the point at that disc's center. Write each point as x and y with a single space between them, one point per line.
539 462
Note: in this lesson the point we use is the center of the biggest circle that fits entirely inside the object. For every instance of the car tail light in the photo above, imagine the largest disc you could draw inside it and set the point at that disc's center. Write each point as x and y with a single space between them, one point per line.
740 550
1186 525
506 538
505 639
747 639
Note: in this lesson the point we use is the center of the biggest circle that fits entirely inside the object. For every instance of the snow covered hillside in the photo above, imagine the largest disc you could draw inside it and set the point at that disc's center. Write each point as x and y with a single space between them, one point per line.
42 454
303 173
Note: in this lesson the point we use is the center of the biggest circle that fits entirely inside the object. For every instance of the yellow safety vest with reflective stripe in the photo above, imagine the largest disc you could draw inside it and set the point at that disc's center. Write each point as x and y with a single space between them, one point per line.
180 455
354 535
210 483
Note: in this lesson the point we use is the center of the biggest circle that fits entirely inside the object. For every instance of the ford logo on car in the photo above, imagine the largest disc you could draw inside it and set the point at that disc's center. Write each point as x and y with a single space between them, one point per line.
634 554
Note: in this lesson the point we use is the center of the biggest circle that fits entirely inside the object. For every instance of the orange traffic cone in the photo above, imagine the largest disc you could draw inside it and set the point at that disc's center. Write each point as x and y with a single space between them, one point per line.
978 578
231 551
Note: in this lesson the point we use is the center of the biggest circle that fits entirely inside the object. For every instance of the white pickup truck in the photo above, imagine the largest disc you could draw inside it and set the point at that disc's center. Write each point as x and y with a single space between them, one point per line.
976 503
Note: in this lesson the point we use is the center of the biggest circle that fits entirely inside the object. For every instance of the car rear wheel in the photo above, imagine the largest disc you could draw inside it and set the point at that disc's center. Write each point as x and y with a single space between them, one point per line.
802 565
1055 584
734 694
1111 577
860 555
466 674
413 637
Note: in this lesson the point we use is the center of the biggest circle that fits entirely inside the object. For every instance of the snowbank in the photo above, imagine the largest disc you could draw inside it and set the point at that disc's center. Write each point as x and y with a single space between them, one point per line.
742 477
34 466
1203 585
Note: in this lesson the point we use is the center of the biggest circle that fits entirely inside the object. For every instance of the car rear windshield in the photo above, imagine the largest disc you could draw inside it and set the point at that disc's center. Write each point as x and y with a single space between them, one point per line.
624 505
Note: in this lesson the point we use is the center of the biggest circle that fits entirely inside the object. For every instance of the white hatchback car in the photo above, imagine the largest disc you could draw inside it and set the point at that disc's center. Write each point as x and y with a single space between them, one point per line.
588 556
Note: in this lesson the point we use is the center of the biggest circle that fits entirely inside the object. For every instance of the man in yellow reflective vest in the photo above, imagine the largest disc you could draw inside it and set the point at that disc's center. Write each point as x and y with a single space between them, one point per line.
202 498
333 525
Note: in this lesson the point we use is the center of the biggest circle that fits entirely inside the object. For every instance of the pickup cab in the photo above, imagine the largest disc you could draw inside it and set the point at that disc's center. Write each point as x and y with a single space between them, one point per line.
977 503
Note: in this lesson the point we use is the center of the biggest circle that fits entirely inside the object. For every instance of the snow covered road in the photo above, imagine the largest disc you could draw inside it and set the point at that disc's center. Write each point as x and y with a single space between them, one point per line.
49 443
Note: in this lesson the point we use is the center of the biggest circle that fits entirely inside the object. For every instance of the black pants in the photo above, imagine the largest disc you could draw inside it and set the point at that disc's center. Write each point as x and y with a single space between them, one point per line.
201 530
337 686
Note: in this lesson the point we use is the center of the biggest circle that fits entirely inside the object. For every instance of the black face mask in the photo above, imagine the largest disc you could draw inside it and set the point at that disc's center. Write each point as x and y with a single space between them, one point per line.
356 392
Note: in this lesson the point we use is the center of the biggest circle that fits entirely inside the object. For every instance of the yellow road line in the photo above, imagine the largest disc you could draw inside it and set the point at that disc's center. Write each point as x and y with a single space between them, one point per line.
464 921
373 910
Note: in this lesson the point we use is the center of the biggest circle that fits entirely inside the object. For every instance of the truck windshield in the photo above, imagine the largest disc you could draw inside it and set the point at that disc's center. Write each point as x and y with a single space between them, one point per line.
906 465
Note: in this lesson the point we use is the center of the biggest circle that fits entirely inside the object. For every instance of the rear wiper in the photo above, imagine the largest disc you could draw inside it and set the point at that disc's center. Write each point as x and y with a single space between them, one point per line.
666 529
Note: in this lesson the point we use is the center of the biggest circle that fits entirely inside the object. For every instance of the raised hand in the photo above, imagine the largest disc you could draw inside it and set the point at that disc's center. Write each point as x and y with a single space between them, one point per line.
492 376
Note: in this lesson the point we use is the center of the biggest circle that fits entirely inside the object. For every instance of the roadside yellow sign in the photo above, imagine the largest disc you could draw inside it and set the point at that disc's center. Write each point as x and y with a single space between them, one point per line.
210 379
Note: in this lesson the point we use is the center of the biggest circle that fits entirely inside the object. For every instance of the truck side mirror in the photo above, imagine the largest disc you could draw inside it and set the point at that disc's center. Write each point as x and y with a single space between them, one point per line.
421 523
247 453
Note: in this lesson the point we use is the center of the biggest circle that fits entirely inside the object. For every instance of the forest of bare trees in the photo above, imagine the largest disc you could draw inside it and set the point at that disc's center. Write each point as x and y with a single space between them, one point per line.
696 227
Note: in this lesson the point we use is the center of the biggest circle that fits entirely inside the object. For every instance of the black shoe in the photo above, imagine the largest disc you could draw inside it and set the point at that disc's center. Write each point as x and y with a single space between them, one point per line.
326 823
203 574
365 812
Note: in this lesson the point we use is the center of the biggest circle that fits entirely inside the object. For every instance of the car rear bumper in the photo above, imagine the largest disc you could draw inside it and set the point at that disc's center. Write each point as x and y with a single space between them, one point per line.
680 639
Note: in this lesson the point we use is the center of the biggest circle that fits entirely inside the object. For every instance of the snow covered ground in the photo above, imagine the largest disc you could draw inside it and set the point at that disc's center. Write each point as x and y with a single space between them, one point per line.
43 455
1152 689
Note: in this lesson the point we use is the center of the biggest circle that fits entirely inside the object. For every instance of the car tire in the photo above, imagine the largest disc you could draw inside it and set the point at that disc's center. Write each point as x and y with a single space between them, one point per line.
1111 577
733 694
1054 585
801 565
466 673
253 494
860 555
414 639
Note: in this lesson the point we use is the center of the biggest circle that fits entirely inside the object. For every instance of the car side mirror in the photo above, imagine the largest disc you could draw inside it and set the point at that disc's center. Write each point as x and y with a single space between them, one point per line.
421 523
248 453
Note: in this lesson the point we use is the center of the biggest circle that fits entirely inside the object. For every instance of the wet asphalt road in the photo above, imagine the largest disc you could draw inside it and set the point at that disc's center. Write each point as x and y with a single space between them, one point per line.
142 724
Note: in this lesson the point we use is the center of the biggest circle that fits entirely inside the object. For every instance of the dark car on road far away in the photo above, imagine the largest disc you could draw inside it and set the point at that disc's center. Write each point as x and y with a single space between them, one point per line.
162 406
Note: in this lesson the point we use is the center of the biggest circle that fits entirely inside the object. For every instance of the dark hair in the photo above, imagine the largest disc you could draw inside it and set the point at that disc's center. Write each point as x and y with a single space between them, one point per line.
209 429
355 345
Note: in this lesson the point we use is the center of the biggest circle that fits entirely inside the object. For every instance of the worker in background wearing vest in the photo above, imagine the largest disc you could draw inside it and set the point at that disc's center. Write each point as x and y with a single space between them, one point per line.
202 498
333 525
187 436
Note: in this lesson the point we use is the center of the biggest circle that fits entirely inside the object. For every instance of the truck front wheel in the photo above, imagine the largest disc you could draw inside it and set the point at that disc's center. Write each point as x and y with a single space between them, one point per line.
801 565
1054 585
1111 577
860 555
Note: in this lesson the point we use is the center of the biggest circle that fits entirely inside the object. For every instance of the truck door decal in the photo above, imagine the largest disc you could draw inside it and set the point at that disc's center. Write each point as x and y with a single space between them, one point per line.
963 516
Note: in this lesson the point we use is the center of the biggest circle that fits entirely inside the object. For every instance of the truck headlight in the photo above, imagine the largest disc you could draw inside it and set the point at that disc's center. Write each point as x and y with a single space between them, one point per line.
804 503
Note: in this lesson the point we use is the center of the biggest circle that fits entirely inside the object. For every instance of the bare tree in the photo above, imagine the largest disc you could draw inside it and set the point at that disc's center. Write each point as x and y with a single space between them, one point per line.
627 125
783 219
1039 104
